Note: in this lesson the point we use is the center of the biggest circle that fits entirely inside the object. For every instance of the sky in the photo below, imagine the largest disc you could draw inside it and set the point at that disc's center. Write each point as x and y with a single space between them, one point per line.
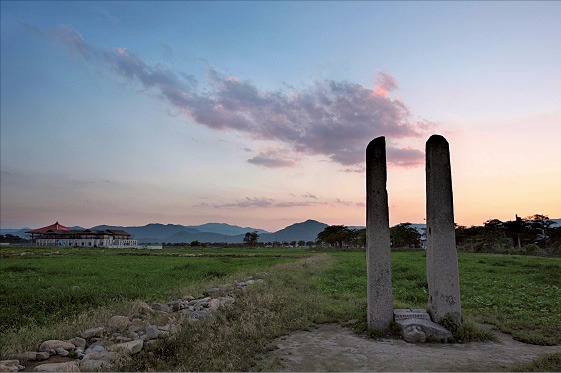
259 113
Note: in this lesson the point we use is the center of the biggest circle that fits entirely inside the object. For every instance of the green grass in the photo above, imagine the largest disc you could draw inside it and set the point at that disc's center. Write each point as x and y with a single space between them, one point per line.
232 340
519 295
76 288
40 289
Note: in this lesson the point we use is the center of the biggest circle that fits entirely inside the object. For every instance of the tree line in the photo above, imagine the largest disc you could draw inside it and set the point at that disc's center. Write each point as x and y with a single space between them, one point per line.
534 234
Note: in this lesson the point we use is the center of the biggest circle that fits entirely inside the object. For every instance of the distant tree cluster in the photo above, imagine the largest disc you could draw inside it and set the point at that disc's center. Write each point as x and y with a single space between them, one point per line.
401 235
533 234
341 236
10 238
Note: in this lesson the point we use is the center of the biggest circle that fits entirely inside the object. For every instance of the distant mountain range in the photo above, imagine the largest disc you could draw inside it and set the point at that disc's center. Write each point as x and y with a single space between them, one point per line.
210 232
218 232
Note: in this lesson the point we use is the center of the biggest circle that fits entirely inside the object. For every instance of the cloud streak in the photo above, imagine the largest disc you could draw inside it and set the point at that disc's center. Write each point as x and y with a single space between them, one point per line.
331 118
261 202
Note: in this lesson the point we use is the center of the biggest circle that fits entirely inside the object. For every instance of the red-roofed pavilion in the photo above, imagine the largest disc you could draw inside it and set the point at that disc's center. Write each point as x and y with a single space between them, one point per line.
53 227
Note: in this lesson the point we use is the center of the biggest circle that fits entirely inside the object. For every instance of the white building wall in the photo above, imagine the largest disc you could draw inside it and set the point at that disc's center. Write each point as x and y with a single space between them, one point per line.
87 242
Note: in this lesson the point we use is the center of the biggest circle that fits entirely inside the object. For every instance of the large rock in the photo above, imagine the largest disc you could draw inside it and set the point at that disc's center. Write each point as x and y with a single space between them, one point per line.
53 344
97 361
101 355
62 352
421 330
118 323
95 365
69 366
93 332
95 347
11 365
128 348
78 342
10 362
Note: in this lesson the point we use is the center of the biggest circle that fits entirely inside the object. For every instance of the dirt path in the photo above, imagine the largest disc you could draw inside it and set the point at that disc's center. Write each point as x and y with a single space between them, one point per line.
333 348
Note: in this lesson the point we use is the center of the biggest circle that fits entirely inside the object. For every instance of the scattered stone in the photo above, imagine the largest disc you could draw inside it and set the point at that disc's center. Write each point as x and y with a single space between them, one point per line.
53 344
42 355
118 323
101 355
93 332
96 347
141 310
161 307
151 344
11 365
226 301
69 366
78 342
421 330
62 352
121 339
188 298
79 351
94 365
23 356
214 304
199 315
128 348
152 332
176 306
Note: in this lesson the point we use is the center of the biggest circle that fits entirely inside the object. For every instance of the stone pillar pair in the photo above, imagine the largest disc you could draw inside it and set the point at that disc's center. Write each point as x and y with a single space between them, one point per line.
442 262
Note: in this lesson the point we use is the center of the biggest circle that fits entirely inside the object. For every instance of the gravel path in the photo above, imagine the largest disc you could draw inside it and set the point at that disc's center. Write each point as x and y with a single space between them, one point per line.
333 348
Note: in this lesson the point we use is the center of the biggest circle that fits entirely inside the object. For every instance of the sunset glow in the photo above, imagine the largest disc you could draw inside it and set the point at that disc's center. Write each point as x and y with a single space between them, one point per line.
258 113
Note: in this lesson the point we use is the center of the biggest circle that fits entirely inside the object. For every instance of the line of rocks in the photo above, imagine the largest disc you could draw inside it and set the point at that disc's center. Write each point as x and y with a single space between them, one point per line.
105 347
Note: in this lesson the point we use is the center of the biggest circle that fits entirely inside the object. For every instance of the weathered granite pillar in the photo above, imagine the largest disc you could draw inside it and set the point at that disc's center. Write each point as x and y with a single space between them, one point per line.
442 258
378 254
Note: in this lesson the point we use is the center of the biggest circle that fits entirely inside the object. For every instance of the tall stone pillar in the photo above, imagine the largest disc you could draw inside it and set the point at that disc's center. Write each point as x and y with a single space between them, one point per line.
442 258
378 254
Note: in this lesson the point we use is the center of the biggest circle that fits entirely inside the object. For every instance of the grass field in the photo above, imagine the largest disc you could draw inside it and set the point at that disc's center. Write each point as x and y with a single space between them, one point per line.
519 295
43 292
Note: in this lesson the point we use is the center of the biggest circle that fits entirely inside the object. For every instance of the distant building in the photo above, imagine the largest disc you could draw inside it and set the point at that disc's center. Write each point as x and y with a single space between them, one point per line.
59 235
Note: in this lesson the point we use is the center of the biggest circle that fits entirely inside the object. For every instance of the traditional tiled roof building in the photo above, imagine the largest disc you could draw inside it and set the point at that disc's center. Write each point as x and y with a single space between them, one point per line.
59 235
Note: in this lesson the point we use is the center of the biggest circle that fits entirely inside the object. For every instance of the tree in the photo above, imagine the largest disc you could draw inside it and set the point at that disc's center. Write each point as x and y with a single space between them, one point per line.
334 235
542 224
404 235
251 238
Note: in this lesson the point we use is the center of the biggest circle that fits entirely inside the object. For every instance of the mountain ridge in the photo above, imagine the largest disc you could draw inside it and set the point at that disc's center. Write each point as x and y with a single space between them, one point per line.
218 232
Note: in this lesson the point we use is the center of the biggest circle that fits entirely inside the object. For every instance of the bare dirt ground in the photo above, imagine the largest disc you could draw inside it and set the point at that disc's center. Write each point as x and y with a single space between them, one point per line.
333 348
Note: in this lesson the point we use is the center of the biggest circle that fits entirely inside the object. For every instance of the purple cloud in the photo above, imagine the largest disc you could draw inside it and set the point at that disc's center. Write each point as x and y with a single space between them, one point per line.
272 159
330 118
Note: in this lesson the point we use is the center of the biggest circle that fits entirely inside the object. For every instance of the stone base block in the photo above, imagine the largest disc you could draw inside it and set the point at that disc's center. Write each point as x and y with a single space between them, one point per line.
409 313
421 330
